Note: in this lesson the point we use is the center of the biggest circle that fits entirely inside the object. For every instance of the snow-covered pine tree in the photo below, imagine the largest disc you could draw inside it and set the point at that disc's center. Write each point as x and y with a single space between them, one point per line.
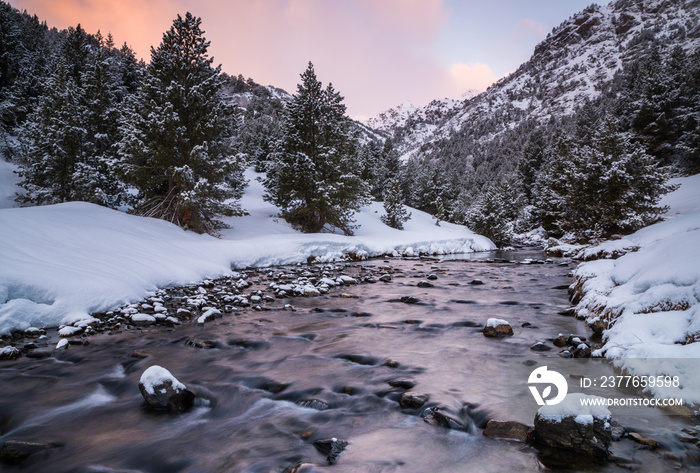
610 187
54 163
177 135
315 178
389 168
531 162
440 212
101 85
552 186
494 210
396 214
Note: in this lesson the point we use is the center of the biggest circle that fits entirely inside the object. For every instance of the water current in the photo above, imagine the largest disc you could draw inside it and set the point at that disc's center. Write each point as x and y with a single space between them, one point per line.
274 381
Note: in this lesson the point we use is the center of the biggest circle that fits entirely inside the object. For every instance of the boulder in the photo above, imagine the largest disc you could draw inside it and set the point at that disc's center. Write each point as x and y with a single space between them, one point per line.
332 448
410 400
570 427
497 328
162 390
10 353
506 429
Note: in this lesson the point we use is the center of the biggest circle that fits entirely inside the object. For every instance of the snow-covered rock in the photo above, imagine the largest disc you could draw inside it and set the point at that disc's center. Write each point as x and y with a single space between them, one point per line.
162 390
497 328
580 424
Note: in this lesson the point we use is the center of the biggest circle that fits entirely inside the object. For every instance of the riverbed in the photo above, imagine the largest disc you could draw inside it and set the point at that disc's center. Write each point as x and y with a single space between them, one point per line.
270 382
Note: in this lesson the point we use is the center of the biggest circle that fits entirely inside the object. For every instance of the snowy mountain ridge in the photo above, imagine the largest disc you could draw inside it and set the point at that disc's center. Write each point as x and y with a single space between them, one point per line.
574 63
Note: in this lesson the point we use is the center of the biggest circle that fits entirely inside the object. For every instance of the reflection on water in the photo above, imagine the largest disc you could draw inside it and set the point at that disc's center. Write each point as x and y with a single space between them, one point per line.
278 380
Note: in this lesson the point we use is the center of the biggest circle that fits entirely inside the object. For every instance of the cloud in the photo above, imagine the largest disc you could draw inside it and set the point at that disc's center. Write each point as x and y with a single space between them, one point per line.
463 77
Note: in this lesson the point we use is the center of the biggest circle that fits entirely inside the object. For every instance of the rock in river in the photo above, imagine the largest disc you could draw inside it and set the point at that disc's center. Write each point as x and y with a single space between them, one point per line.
332 448
412 400
497 328
506 429
162 390
574 428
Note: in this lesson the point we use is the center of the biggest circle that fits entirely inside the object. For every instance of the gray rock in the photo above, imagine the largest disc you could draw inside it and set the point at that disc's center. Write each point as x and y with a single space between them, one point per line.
539 346
424 284
332 448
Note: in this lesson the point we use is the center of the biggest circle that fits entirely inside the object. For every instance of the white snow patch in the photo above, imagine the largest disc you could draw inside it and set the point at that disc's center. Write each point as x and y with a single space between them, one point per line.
577 405
493 322
156 376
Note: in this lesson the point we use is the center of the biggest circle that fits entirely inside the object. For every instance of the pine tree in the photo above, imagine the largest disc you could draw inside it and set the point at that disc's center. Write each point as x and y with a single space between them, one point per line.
396 213
494 210
440 213
52 158
531 162
315 178
613 186
177 135
101 108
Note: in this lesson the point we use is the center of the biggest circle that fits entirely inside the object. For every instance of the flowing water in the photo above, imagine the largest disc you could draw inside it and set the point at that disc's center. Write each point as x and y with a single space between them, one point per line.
333 354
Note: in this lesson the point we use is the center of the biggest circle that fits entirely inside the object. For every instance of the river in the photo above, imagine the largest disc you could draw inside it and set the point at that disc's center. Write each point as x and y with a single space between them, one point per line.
276 380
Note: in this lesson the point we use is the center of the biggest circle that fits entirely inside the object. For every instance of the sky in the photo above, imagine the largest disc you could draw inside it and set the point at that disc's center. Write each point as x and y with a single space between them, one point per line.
377 53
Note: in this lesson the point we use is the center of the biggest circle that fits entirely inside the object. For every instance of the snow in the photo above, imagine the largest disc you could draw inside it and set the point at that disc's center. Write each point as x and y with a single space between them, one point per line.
156 376
492 322
577 405
60 263
653 296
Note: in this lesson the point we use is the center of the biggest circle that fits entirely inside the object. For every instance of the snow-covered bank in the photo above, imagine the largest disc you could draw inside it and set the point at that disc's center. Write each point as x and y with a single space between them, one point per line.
648 301
59 263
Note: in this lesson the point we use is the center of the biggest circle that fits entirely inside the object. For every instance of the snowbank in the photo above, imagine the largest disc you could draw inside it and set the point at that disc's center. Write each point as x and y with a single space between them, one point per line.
59 263
648 302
